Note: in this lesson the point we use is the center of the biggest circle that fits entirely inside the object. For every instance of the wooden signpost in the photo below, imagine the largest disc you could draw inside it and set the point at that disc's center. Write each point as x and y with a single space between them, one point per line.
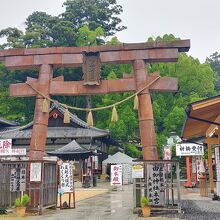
66 184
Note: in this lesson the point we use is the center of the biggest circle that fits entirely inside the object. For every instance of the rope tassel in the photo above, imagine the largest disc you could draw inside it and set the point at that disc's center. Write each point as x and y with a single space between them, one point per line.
90 119
66 118
136 103
114 115
45 107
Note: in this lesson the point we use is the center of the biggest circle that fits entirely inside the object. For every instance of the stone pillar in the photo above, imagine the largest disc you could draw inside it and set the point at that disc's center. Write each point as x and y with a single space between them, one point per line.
39 131
146 118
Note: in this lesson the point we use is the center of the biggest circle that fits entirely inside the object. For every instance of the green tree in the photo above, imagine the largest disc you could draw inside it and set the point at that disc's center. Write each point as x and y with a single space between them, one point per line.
214 61
94 14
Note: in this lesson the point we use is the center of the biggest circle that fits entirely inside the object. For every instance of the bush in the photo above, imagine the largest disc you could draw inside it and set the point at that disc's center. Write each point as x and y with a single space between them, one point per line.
145 201
23 201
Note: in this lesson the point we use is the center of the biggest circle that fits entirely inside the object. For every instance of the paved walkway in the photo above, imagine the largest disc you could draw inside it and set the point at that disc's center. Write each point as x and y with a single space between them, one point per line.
101 203
115 205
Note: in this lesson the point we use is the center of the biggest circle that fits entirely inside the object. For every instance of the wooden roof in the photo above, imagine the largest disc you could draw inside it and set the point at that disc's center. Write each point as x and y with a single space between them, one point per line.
71 151
6 123
202 118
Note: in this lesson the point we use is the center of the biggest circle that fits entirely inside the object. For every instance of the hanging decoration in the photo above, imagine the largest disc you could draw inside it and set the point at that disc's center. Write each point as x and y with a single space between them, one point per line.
90 117
45 107
114 115
136 102
66 118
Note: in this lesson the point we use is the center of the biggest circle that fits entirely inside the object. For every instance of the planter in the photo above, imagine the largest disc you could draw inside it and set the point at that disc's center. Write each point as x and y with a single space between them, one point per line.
146 211
20 211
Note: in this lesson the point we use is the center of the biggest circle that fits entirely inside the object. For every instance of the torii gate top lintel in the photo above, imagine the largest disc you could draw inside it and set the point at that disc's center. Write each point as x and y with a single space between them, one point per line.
137 54
159 51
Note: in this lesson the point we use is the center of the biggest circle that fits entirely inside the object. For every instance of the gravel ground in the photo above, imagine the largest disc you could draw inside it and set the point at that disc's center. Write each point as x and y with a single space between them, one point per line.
198 210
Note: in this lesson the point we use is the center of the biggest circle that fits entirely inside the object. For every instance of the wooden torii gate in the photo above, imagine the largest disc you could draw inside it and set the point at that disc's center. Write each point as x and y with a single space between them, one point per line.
91 57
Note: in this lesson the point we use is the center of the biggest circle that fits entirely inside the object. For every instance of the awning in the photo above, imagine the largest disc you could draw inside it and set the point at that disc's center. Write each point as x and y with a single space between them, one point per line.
202 118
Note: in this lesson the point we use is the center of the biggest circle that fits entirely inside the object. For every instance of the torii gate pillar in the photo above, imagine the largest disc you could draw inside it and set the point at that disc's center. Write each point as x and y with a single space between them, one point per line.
146 119
39 131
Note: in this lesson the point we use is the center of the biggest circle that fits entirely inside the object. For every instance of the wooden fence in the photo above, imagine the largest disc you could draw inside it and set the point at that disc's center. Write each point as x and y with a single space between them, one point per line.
7 198
47 189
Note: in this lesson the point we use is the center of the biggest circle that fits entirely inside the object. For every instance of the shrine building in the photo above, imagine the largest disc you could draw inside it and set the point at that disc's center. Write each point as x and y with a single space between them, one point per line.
60 134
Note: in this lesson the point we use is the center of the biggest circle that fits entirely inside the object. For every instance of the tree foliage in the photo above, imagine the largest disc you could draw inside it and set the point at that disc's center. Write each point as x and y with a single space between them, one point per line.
214 61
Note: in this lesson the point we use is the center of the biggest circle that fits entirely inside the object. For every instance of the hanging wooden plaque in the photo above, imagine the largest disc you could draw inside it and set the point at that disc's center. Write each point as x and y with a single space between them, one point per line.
91 68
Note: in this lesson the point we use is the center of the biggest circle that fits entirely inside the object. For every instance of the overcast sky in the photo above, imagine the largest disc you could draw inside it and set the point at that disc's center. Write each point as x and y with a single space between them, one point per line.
197 20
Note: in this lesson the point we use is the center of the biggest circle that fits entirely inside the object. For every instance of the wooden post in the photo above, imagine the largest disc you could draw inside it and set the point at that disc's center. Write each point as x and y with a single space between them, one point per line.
146 118
210 166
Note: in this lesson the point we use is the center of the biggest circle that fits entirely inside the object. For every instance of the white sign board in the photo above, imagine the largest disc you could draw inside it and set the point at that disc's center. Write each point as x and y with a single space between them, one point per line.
189 149
18 179
217 162
5 146
5 143
137 171
7 150
116 175
66 177
13 152
35 172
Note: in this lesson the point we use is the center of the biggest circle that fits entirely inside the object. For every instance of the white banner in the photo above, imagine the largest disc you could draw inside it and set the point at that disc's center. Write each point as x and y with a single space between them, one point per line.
217 162
189 149
116 175
66 177
13 152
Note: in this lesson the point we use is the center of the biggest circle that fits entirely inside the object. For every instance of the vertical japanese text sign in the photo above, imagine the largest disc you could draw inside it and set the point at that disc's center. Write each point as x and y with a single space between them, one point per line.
155 181
66 177
18 179
116 175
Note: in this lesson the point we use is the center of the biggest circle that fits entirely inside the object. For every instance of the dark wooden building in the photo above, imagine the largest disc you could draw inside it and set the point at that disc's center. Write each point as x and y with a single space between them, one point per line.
59 134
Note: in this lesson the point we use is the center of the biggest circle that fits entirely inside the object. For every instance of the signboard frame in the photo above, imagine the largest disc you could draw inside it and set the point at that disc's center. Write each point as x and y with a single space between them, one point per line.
189 149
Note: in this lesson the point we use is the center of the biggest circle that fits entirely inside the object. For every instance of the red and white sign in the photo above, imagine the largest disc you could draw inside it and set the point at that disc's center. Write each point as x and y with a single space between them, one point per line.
5 144
167 153
7 150
116 175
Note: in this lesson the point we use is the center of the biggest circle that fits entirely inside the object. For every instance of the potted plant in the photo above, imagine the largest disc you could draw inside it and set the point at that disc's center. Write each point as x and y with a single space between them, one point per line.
21 204
145 205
